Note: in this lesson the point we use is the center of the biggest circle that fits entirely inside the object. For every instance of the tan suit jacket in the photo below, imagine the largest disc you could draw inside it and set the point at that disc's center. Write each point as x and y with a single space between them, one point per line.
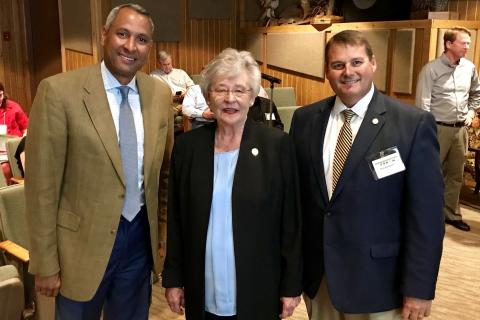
74 179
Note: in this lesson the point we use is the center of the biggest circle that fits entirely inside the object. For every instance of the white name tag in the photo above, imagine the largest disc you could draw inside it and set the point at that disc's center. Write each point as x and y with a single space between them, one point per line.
3 129
267 116
386 163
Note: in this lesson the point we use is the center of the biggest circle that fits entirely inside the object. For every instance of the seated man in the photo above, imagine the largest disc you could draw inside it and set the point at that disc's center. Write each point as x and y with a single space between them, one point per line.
177 79
196 108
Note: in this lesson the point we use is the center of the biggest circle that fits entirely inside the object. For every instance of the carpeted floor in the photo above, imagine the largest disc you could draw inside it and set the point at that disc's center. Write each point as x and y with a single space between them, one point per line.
458 287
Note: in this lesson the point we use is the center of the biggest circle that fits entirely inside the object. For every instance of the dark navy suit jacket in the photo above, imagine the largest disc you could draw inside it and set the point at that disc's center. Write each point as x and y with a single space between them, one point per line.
374 241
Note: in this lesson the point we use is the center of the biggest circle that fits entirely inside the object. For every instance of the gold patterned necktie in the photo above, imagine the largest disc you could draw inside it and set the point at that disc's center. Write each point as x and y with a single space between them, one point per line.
344 143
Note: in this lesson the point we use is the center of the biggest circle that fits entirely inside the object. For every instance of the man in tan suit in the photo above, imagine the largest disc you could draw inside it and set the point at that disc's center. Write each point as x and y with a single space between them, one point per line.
92 211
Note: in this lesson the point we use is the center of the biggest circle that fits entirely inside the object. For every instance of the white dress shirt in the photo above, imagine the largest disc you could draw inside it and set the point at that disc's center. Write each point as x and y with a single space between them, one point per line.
335 123
177 79
114 100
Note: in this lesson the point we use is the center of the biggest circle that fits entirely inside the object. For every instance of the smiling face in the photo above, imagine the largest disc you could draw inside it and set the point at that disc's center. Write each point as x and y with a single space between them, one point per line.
350 72
230 99
126 44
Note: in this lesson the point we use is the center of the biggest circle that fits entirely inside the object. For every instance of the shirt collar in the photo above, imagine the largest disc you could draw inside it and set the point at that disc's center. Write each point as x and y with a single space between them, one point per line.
447 62
360 108
110 82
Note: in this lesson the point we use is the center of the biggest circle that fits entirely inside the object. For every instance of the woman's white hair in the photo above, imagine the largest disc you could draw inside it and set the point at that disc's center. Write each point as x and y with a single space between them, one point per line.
228 64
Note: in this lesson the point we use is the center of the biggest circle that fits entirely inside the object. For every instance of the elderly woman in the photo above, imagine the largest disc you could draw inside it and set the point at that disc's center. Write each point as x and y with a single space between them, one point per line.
233 240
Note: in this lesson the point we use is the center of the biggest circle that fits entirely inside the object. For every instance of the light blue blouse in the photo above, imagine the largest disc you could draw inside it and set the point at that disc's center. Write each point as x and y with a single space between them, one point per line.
220 280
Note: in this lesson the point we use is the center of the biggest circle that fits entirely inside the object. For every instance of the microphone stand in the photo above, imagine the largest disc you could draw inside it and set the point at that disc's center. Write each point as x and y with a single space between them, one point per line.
270 105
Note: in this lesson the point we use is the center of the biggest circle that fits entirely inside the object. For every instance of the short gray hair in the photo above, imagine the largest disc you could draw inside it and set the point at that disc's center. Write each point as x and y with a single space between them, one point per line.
231 63
138 8
163 55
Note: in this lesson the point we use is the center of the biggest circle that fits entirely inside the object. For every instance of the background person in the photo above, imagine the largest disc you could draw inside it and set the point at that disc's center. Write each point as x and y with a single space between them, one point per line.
196 108
13 121
177 79
448 87
372 195
97 149
233 249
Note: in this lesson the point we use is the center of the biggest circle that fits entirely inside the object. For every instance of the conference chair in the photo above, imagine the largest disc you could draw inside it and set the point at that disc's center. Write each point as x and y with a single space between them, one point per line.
11 147
283 97
15 244
286 114
3 180
12 300
196 78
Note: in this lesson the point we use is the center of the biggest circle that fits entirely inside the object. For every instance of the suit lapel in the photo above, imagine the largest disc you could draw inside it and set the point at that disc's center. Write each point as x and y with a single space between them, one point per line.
150 126
203 164
319 126
371 126
97 106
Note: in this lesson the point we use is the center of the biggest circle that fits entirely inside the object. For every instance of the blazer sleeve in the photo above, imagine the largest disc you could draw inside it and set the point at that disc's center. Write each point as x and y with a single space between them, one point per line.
424 219
45 153
291 245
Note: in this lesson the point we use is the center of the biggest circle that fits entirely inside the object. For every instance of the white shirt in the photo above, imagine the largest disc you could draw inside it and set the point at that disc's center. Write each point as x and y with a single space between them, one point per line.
177 79
335 123
194 103
114 99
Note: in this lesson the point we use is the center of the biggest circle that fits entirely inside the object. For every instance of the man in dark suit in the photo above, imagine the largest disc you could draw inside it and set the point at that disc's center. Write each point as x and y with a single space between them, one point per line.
372 195
98 144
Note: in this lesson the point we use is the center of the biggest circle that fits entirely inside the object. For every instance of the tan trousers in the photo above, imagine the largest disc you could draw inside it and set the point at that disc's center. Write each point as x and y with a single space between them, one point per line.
321 308
453 147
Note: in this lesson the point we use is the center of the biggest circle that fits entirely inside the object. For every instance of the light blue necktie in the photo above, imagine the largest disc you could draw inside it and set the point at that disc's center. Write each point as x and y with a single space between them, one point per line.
128 151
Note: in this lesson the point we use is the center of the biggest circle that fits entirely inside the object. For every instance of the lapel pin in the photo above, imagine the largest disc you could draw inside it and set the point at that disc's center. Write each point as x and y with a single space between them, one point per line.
255 152
375 121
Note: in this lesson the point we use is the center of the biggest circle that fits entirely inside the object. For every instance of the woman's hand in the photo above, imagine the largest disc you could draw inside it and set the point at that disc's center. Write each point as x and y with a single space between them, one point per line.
288 305
175 299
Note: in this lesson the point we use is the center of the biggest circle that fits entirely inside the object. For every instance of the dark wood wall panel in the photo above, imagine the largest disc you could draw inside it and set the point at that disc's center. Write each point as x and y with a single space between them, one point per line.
14 61
202 40
467 9
76 59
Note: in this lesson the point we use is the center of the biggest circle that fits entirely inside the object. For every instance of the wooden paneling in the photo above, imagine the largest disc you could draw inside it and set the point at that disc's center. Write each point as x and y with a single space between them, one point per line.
75 59
309 89
14 62
202 39
467 9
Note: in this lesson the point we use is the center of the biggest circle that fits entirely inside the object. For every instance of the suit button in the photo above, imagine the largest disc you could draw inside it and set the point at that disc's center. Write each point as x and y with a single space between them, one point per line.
113 231
328 214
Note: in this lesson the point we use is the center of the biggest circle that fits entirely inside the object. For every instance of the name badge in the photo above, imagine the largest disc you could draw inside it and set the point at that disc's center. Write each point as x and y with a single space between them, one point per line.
386 163
267 116
3 129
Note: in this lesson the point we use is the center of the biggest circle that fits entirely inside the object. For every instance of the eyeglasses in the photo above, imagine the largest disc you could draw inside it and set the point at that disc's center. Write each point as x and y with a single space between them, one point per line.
223 92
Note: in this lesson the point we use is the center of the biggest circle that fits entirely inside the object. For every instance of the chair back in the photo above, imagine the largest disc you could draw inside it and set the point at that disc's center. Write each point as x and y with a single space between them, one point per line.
196 78
283 97
14 228
3 180
12 215
12 299
11 147
286 114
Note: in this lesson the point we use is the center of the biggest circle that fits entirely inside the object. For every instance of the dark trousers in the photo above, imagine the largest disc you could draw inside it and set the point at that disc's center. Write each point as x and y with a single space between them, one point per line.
211 316
125 290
